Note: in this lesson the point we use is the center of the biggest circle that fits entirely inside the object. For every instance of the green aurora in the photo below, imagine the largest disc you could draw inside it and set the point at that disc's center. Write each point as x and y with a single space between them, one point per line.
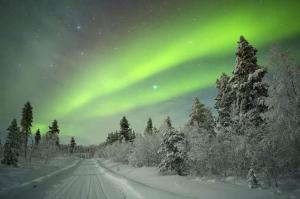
168 52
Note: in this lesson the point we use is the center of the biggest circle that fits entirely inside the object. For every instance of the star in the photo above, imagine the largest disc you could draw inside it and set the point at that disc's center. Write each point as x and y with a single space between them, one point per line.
78 27
155 87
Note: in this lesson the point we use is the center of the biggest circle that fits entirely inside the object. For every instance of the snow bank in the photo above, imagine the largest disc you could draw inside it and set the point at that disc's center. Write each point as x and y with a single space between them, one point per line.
193 187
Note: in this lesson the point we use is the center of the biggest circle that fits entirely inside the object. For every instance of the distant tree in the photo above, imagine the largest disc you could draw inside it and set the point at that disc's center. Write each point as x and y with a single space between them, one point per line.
37 137
173 150
26 124
112 137
126 132
201 117
149 127
197 115
11 145
53 132
72 145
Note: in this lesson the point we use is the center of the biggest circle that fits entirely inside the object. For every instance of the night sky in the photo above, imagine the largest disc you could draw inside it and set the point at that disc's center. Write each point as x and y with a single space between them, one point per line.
87 63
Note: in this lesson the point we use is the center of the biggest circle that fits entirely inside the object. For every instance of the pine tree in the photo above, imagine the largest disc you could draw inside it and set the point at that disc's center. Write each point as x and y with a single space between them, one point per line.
53 132
173 150
26 124
11 145
201 117
149 127
126 132
37 137
112 137
197 115
72 145
248 86
224 100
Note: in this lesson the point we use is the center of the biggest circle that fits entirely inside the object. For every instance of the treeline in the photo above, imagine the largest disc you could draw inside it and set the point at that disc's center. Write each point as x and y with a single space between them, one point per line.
20 141
256 130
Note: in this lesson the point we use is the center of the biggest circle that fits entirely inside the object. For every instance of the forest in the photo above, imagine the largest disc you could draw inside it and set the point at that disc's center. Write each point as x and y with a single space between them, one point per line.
255 133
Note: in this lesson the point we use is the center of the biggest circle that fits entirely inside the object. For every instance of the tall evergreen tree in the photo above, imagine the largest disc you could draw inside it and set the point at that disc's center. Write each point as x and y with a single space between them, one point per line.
173 150
126 132
37 137
224 100
11 146
249 88
26 124
72 145
149 127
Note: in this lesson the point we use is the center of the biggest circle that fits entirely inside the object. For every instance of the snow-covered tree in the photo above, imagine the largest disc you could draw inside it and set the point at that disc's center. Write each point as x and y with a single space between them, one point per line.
251 178
173 148
250 91
11 146
224 100
149 127
26 124
279 150
145 151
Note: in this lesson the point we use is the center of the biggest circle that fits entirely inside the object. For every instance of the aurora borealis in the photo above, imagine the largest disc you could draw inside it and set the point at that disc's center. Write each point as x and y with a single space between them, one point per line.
87 63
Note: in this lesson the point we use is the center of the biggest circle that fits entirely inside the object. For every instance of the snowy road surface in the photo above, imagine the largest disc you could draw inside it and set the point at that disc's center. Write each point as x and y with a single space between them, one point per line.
92 178
87 180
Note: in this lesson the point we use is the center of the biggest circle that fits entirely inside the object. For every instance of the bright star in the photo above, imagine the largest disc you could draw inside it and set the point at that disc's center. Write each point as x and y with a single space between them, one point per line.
154 86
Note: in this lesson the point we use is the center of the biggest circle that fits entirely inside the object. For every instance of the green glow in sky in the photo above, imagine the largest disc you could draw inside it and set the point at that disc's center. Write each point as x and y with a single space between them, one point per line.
148 53
125 57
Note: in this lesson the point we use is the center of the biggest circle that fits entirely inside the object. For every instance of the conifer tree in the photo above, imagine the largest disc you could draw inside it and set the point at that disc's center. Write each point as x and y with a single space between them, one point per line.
149 127
72 145
224 100
126 132
201 117
11 145
26 124
37 137
173 150
248 86
54 131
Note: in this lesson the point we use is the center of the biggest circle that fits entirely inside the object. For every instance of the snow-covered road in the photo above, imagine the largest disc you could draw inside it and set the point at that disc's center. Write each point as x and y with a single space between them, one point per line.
88 179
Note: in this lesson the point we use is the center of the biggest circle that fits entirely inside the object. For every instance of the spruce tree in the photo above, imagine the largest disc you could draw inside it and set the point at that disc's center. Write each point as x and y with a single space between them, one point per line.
173 150
11 146
197 114
26 124
249 88
149 127
201 117
224 100
53 132
37 137
125 132
72 145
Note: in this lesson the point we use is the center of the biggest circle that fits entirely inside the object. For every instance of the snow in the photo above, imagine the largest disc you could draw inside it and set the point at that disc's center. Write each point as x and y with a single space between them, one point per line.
193 187
100 178
35 171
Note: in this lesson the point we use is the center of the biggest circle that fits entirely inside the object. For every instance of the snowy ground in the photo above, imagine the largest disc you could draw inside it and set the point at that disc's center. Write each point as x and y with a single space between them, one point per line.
192 187
97 178
32 171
